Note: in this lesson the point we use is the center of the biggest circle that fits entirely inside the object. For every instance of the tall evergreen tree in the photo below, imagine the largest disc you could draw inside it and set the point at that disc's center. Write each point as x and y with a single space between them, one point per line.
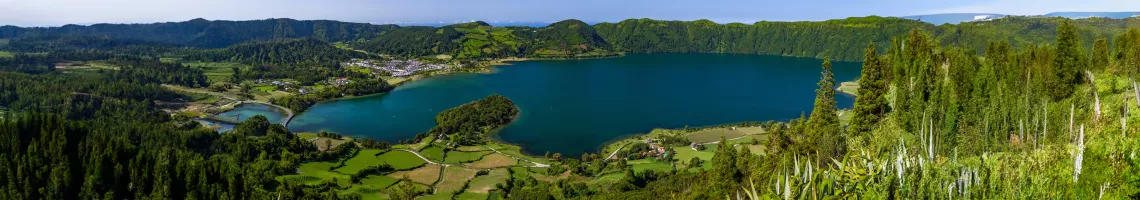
724 173
823 124
1100 54
1127 52
870 103
1068 63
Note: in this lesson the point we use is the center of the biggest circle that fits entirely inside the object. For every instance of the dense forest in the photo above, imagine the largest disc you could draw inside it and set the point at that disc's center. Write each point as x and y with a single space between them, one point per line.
839 39
1016 108
470 123
212 34
1041 121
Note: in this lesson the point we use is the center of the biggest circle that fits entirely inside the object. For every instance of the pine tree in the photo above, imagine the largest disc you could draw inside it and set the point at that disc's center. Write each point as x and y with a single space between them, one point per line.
823 124
1068 63
1100 54
724 172
744 161
870 103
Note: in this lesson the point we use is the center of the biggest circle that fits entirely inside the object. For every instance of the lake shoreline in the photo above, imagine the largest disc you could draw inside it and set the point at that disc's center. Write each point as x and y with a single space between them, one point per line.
553 91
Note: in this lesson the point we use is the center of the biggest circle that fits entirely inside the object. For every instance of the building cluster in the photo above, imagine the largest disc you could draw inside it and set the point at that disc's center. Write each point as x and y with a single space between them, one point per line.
655 149
397 67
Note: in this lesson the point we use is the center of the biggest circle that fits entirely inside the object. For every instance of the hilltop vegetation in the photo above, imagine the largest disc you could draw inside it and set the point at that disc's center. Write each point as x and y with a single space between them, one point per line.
839 39
1018 108
212 34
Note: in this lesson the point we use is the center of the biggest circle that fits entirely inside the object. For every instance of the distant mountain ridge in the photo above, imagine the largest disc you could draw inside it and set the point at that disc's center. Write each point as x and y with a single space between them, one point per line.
955 18
839 39
212 34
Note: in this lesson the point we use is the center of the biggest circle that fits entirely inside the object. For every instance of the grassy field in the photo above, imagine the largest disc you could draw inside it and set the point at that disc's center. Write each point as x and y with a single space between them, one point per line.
379 181
471 196
607 179
454 178
401 160
473 148
427 175
332 143
850 87
5 54
366 158
516 151
485 183
440 196
685 153
433 152
216 71
494 161
320 171
366 192
656 166
713 135
306 135
454 157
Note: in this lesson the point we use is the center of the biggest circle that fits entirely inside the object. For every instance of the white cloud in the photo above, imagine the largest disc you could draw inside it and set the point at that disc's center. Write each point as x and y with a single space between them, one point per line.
1040 7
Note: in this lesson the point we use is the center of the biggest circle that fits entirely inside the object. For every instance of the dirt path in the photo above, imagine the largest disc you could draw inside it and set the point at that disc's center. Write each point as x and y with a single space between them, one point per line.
536 164
422 157
615 152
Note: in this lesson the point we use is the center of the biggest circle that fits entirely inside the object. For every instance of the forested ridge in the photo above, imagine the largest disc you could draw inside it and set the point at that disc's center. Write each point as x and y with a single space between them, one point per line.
212 34
836 39
1017 108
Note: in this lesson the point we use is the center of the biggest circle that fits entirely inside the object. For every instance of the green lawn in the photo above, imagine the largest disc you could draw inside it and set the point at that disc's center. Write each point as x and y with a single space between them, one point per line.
516 151
306 136
5 54
850 87
606 179
685 153
266 88
454 178
433 153
442 196
483 184
465 156
652 165
379 181
216 71
320 171
471 196
366 158
401 160
713 135
365 192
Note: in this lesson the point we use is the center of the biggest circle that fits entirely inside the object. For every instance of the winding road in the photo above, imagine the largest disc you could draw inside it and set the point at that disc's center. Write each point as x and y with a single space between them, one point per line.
464 166
536 164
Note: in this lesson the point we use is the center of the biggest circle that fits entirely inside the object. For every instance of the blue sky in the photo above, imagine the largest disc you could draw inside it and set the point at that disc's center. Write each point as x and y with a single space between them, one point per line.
60 12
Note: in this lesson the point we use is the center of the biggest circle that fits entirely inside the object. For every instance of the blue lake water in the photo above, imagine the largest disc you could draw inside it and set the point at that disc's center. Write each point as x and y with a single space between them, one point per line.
575 106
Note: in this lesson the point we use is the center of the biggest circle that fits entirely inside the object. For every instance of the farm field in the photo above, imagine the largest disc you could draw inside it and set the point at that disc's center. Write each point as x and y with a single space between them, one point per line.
454 157
457 178
401 160
454 178
483 184
363 159
433 152
493 161
427 174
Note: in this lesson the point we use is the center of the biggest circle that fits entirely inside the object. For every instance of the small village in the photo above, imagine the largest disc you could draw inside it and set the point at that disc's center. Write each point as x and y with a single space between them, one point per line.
397 68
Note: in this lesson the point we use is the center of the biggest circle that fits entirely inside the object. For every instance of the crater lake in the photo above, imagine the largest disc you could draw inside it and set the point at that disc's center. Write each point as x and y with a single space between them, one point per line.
575 106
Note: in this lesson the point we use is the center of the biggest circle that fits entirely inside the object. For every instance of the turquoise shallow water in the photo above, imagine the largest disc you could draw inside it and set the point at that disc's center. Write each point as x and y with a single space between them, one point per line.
574 106
243 112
